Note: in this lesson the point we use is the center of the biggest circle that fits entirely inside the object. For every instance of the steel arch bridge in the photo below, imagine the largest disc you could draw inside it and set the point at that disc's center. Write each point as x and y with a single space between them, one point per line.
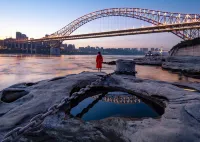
154 17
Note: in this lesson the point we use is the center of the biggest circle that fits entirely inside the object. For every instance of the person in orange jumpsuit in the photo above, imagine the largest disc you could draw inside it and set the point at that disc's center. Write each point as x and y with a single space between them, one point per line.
99 60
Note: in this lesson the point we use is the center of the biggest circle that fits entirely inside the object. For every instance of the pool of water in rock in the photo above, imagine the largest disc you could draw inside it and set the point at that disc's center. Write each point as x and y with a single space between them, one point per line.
113 104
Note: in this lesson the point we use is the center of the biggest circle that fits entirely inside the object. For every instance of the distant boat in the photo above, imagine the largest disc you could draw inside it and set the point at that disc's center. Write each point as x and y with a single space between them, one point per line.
157 53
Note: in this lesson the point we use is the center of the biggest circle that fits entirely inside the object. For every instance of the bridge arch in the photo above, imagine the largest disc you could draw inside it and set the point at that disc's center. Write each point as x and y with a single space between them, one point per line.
151 16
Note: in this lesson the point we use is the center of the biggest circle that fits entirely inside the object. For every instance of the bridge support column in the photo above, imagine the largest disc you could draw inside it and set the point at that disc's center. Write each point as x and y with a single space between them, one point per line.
25 45
125 67
26 49
54 51
15 45
18 46
35 47
22 46
31 48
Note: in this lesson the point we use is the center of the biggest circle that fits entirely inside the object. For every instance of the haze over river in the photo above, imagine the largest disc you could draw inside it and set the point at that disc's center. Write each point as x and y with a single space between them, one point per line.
23 68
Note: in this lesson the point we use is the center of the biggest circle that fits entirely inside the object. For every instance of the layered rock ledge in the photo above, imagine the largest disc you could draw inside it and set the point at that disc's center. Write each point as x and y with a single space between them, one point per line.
150 60
187 65
180 121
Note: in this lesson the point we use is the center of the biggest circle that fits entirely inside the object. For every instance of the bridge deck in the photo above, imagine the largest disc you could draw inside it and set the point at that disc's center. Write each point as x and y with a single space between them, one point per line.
144 30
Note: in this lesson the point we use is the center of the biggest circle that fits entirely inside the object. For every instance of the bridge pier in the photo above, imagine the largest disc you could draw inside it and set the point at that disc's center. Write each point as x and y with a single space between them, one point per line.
18 46
21 47
14 45
31 48
54 51
26 49
125 67
35 48
25 46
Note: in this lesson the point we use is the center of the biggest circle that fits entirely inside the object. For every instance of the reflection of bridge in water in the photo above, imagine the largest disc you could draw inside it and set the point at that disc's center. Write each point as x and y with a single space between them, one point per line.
114 98
119 99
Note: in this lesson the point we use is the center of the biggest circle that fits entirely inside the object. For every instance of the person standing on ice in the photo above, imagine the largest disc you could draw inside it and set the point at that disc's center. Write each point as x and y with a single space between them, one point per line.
99 60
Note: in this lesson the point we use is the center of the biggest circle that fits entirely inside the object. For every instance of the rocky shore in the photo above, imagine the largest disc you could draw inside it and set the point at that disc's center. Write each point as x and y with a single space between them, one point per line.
110 63
150 60
187 65
184 65
180 121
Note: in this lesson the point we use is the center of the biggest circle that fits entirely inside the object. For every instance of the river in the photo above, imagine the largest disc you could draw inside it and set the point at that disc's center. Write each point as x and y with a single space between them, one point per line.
25 68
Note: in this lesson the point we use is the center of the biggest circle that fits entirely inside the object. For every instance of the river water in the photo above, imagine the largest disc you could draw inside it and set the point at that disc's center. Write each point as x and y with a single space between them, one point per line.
25 68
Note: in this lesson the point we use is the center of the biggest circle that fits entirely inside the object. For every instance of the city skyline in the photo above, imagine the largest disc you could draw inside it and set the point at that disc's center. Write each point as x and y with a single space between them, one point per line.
36 18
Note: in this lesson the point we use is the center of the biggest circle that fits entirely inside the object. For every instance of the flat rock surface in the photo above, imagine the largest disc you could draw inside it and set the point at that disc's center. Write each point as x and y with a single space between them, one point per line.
186 64
180 122
41 96
150 60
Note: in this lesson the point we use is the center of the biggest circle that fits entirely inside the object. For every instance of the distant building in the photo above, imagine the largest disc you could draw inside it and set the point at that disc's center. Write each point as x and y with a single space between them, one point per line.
145 50
64 46
152 49
19 35
134 49
1 44
9 43
23 36
68 48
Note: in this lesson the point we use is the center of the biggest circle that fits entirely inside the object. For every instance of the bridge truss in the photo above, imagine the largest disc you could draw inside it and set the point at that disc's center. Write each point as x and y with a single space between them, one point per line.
154 17
193 28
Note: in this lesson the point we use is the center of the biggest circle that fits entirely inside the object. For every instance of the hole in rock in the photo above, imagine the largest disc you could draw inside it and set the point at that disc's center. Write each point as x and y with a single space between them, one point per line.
56 78
12 95
30 84
113 104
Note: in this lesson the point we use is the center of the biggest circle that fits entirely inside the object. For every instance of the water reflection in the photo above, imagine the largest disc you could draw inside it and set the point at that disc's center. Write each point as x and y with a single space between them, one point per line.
128 99
190 90
112 105
25 68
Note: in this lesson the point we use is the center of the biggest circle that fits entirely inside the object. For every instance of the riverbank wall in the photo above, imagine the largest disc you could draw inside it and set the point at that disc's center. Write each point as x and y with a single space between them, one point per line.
186 48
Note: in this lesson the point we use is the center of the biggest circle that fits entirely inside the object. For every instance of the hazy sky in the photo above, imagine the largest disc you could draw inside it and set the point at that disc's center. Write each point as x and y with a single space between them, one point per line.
39 17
